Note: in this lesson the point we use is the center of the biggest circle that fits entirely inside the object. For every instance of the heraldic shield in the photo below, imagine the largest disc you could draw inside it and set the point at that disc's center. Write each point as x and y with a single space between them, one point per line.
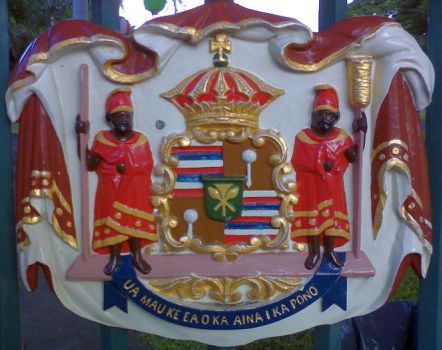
223 196
216 197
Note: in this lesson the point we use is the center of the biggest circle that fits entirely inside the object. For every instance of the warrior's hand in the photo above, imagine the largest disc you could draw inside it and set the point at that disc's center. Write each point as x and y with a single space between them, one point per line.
360 124
328 165
81 127
121 168
350 153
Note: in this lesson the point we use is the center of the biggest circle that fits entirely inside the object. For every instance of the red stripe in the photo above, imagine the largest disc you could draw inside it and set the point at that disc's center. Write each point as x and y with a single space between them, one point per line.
207 170
241 238
197 149
252 219
192 192
261 200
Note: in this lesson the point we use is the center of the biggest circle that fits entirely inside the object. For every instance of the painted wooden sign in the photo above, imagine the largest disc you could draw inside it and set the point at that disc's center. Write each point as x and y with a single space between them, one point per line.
222 169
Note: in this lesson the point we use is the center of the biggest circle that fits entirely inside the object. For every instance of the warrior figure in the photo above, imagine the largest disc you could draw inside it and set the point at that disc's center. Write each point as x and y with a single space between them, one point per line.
321 156
122 159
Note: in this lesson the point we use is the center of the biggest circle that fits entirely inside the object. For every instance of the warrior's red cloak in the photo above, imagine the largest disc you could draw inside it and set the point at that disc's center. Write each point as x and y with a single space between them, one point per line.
123 208
322 207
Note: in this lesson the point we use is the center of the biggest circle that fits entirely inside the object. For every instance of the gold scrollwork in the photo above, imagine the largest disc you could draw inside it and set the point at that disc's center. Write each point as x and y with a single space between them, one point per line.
278 161
163 192
173 140
227 290
284 188
393 163
166 223
169 180
280 242
262 136
219 252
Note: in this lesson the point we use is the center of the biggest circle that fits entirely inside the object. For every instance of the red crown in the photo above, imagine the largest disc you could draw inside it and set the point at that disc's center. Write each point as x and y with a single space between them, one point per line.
219 98
326 99
119 101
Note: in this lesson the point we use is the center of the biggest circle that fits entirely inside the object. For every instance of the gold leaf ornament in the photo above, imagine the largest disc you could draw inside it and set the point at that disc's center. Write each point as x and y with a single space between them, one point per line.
228 290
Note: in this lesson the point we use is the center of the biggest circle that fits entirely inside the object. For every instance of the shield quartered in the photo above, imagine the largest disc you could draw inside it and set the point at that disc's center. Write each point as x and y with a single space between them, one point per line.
223 196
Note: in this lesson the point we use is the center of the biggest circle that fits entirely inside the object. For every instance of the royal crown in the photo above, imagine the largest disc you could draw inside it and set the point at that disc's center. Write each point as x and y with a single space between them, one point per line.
222 99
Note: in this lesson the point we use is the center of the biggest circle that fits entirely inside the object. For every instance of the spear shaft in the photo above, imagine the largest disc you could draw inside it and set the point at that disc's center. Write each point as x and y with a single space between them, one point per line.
359 87
84 138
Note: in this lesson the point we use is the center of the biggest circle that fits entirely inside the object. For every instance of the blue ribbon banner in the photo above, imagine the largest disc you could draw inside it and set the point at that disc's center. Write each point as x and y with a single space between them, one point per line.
327 283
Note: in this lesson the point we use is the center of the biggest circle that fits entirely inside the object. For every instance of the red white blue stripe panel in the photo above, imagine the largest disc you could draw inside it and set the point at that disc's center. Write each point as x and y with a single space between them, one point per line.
195 161
258 209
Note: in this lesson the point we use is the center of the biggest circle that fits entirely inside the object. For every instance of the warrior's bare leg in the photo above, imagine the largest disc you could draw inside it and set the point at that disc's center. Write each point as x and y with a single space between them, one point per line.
114 258
314 252
137 257
329 246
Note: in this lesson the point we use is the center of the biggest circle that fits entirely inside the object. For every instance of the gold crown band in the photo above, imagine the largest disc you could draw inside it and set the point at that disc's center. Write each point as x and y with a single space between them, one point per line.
229 119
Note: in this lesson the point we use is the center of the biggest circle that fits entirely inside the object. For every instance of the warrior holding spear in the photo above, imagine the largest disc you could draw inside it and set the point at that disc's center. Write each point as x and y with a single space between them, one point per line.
321 156
122 159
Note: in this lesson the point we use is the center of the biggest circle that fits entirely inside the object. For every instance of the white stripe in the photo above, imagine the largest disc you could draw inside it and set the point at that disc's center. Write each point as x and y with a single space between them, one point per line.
250 232
196 143
260 194
191 185
188 185
200 163
262 213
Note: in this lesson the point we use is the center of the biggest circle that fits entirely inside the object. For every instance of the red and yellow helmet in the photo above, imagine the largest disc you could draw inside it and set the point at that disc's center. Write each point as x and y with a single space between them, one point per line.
119 100
326 99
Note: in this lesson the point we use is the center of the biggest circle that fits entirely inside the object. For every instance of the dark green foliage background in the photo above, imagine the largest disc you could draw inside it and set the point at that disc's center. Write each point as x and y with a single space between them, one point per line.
28 19
411 14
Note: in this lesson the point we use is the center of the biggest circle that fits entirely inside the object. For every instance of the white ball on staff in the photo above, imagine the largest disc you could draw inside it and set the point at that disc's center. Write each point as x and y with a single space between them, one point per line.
190 216
248 156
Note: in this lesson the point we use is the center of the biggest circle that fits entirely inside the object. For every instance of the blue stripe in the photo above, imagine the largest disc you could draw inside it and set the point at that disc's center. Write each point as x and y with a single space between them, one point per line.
198 155
247 226
194 177
261 206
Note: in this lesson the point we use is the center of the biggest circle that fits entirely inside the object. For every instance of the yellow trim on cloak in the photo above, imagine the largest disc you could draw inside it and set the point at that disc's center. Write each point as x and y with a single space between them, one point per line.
100 138
108 242
129 231
325 204
313 231
134 212
309 213
305 138
142 139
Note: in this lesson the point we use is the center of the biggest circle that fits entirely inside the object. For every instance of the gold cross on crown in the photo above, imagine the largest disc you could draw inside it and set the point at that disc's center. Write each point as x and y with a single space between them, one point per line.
221 44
